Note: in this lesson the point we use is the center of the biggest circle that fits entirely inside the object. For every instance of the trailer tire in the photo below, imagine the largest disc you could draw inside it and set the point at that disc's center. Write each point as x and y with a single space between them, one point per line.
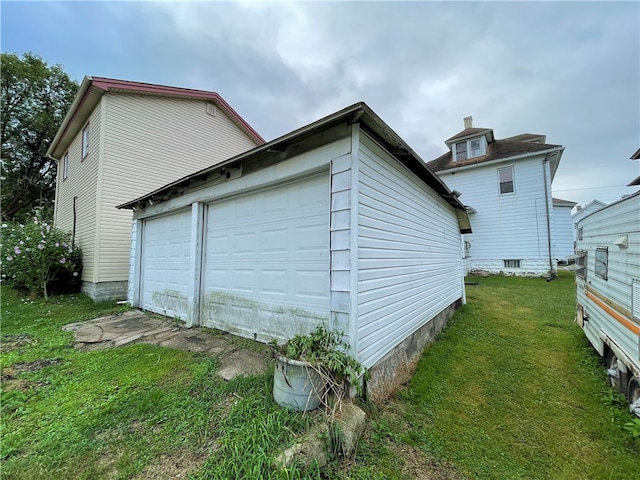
633 395
615 378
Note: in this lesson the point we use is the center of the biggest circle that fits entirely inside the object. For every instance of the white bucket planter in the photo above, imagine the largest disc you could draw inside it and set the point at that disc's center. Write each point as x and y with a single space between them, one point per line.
296 385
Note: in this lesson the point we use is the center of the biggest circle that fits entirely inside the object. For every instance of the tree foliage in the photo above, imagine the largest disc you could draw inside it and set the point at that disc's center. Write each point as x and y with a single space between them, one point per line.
35 99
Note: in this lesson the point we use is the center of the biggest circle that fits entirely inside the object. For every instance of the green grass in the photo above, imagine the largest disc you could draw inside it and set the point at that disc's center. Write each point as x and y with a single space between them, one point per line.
139 410
511 389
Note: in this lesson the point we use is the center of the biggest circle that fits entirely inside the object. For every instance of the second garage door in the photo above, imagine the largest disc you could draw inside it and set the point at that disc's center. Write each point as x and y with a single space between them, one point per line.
266 261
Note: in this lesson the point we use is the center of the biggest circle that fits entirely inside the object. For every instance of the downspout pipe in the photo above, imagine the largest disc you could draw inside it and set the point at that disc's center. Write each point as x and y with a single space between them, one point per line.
552 273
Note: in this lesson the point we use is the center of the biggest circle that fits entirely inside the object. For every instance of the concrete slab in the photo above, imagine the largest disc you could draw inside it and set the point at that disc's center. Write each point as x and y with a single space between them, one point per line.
136 326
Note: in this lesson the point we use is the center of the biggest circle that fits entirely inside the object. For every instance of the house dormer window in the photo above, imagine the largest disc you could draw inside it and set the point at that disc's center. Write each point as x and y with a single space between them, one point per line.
475 147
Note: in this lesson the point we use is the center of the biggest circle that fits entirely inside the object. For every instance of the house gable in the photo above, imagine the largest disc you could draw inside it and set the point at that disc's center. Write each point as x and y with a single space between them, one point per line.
137 138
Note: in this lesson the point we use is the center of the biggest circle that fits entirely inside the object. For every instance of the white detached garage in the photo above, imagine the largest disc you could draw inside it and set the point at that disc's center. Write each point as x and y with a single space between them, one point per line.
339 222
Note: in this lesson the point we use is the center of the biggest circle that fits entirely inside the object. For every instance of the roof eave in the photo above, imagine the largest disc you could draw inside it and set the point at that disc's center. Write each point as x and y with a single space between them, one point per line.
358 112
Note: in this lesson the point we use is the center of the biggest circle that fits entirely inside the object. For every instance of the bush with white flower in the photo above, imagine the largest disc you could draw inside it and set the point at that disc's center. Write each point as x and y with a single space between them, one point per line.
35 255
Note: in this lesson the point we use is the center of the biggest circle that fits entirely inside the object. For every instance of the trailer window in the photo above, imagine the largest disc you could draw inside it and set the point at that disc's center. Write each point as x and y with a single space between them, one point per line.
635 298
602 262
581 264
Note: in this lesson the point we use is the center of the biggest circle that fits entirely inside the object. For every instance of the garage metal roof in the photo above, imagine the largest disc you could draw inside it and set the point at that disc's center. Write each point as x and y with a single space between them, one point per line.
356 113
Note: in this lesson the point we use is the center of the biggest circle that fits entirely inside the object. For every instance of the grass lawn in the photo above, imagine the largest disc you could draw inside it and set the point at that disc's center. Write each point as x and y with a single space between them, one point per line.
138 411
512 389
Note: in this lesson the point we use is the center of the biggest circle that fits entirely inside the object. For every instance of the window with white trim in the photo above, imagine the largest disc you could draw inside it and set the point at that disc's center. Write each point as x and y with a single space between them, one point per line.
472 148
85 141
65 166
602 262
505 179
511 263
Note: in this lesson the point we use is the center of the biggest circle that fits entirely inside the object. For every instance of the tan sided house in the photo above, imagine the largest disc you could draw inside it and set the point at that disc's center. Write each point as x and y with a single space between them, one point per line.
121 139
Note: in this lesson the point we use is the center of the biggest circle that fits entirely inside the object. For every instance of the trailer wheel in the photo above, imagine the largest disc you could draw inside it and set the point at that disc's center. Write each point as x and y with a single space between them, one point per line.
614 375
634 396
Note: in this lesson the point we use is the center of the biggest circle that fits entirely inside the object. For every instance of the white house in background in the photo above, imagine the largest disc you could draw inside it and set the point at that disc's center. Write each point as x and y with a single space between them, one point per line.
507 185
562 229
635 181
121 139
582 211
337 223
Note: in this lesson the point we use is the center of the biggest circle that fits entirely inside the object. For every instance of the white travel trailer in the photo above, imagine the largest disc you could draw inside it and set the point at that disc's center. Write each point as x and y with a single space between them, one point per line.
608 291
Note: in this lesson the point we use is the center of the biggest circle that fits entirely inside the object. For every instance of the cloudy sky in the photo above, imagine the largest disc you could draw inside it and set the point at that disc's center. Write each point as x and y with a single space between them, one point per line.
570 70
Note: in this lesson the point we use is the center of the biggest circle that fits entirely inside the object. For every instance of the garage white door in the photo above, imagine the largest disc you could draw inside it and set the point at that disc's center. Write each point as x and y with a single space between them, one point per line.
165 265
266 261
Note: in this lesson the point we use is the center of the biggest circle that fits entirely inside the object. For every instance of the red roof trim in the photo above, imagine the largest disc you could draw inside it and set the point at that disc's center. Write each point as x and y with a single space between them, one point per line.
108 84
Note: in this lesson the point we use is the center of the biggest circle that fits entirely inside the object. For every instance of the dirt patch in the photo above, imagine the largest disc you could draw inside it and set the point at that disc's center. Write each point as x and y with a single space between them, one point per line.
10 372
420 466
13 342
175 465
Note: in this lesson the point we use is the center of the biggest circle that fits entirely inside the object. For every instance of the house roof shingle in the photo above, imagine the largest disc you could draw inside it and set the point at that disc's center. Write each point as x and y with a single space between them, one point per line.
497 150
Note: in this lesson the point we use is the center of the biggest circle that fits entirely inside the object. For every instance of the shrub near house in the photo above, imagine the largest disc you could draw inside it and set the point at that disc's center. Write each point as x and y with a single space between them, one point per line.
36 255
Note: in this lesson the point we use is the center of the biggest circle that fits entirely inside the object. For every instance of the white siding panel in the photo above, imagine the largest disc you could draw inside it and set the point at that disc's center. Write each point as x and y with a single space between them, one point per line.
509 226
602 229
82 182
165 265
266 261
563 232
149 142
409 254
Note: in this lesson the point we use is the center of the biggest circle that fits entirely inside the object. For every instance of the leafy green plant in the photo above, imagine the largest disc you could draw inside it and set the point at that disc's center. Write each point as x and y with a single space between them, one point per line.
36 254
325 349
633 427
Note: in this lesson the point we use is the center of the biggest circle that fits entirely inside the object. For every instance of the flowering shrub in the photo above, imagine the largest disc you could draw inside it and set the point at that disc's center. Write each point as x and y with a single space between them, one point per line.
36 254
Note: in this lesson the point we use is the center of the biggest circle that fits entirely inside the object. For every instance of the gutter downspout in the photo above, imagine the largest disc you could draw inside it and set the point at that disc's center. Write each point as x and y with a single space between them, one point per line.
552 273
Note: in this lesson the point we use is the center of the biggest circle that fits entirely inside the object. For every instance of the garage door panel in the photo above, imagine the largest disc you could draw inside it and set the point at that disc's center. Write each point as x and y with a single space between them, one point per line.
165 266
276 266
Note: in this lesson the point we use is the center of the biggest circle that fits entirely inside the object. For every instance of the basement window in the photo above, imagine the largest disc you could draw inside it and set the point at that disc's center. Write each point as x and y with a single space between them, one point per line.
511 263
602 262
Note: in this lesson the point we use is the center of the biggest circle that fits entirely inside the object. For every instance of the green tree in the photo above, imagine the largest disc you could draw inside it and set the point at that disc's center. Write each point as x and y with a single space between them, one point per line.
35 99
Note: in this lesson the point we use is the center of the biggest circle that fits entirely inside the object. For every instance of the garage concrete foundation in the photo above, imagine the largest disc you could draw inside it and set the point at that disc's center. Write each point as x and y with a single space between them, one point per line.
396 368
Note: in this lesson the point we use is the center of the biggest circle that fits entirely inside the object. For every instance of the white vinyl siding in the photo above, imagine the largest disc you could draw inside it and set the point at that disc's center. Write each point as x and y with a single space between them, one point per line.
563 231
505 226
149 142
81 182
409 254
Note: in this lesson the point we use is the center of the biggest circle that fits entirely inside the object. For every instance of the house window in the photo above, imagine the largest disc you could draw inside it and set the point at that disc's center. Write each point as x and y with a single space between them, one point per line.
65 166
602 262
85 142
581 264
461 151
511 263
476 149
505 176
469 149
